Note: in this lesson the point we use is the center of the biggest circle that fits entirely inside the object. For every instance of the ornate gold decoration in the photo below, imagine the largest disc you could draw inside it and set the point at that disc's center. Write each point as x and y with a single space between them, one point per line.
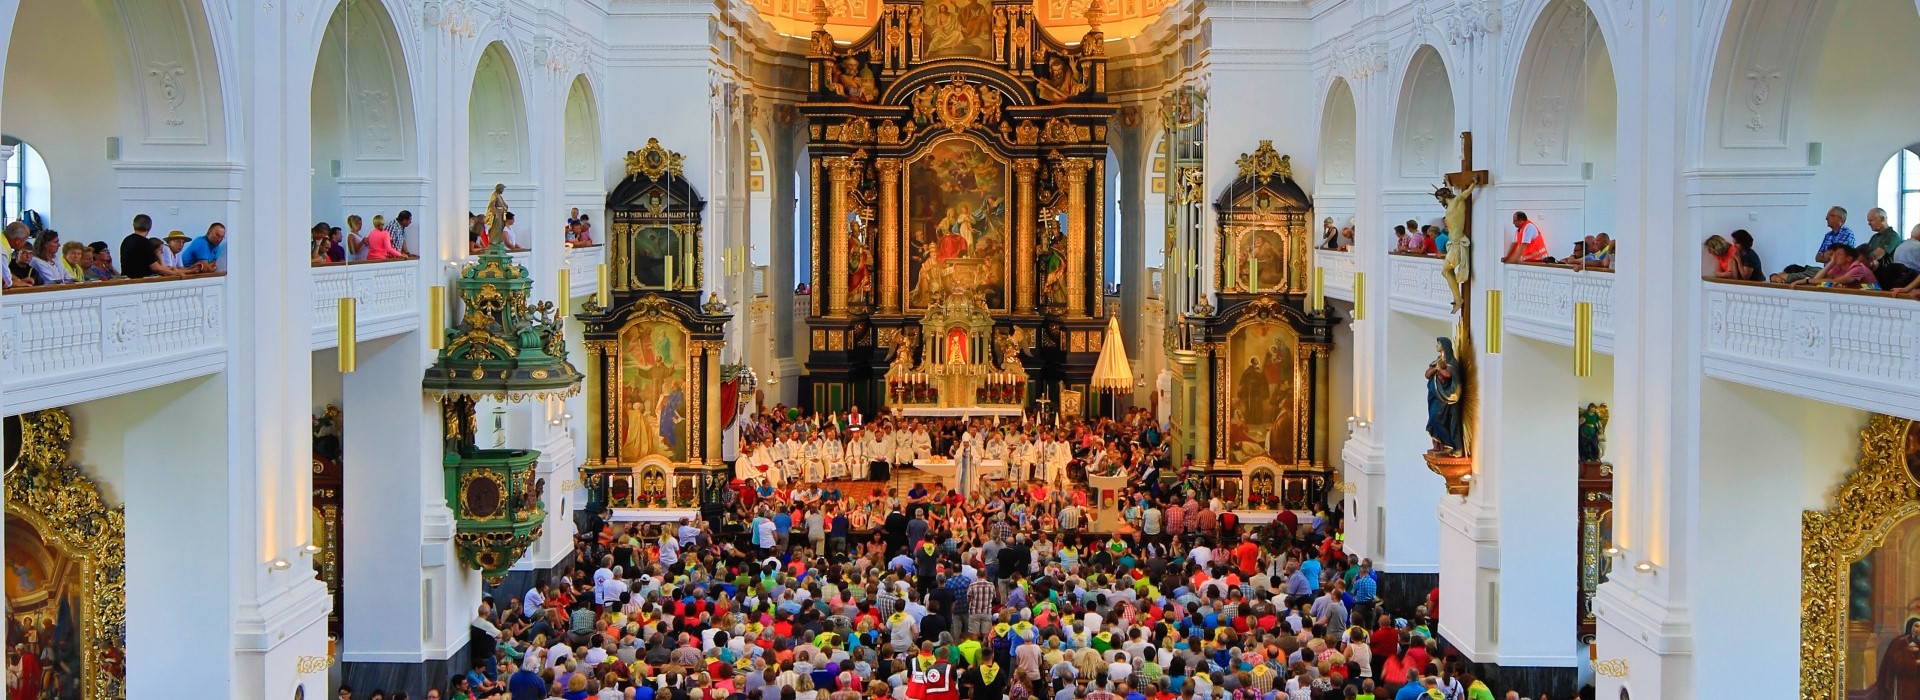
1192 185
654 161
1026 134
889 132
958 106
66 508
856 130
1062 130
500 509
1878 494
1265 162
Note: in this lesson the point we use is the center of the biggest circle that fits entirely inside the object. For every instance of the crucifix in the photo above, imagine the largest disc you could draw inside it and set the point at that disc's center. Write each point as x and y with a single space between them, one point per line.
1457 198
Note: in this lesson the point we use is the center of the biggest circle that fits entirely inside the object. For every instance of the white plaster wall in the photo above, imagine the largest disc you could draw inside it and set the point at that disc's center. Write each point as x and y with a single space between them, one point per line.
1530 475
1862 113
1765 458
69 126
161 453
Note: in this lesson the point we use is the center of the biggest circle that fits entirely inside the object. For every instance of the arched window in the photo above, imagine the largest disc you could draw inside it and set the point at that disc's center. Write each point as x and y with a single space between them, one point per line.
28 185
1900 190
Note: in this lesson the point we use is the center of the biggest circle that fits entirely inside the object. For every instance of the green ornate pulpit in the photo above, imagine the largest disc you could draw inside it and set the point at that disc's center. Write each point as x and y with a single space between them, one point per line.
508 350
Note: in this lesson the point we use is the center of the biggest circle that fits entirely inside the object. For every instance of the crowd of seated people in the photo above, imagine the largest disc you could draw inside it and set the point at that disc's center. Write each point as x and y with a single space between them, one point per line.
1886 262
37 257
385 241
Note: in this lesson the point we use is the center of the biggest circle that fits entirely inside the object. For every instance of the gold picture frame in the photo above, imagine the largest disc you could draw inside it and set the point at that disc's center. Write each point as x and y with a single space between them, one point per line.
66 508
1880 493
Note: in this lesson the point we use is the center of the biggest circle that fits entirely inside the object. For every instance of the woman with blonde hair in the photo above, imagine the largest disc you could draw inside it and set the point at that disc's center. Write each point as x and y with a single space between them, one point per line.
356 243
380 242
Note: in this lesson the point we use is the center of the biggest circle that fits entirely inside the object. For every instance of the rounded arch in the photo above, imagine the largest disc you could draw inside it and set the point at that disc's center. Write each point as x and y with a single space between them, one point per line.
147 75
1561 127
497 140
1424 118
1339 128
1786 74
583 133
364 130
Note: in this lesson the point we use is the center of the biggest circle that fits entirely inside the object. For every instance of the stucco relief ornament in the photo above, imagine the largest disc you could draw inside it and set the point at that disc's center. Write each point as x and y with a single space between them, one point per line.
1759 90
170 76
6 345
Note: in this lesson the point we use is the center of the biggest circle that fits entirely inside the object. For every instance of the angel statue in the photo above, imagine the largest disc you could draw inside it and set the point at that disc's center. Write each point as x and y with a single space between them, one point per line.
902 354
1009 352
1446 412
1458 268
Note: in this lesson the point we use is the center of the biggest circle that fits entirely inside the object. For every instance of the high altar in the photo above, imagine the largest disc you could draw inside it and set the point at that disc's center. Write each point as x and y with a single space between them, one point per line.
958 161
655 346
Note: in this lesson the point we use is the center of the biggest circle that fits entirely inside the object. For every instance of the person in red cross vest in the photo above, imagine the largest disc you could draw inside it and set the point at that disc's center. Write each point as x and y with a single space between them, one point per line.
1529 244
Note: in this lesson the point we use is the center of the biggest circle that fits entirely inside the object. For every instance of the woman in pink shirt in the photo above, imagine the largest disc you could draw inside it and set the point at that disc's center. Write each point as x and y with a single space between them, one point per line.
380 242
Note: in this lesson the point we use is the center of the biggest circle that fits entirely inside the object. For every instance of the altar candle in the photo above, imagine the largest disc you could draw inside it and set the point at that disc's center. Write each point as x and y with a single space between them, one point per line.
1233 264
669 283
1253 275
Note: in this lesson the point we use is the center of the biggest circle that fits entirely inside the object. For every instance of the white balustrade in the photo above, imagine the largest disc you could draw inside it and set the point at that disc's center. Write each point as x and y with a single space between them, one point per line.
1539 303
387 294
62 346
583 269
1859 350
1339 266
1416 287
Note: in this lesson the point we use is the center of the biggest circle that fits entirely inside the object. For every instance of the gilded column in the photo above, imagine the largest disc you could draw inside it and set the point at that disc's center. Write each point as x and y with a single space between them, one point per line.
1076 173
813 221
839 175
1023 246
711 388
610 389
888 262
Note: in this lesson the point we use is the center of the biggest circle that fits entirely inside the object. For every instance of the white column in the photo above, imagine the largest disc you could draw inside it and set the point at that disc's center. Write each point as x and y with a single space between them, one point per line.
391 464
279 614
1644 617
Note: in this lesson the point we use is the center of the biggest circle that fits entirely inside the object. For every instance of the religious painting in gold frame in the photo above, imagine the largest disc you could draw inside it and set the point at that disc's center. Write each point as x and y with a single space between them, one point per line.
1267 390
654 410
958 227
66 568
958 28
1860 594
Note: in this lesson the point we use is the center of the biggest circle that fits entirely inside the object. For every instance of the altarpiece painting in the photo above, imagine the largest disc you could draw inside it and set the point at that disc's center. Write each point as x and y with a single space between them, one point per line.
955 147
1860 596
65 570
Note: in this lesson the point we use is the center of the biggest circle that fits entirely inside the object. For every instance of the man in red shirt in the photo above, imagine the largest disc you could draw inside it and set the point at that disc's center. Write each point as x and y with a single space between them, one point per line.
1384 642
1248 555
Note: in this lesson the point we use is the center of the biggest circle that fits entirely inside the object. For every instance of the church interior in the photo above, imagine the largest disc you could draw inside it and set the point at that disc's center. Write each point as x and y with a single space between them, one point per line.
1594 324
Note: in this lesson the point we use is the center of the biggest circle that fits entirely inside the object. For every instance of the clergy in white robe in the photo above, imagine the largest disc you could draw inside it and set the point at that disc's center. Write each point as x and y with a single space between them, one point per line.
834 456
856 456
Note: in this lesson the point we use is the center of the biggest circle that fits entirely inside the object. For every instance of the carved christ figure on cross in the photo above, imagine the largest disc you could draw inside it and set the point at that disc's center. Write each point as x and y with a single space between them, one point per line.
1457 198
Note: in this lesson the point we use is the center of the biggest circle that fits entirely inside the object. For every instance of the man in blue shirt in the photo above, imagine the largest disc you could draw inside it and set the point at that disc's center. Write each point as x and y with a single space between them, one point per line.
783 524
1837 235
1364 591
206 253
525 685
1311 567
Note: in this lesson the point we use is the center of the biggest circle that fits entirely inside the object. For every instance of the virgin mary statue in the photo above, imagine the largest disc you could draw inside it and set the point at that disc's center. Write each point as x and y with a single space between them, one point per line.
1445 389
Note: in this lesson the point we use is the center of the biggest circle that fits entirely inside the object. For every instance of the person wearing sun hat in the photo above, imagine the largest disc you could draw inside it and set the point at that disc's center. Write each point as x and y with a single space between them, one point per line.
170 252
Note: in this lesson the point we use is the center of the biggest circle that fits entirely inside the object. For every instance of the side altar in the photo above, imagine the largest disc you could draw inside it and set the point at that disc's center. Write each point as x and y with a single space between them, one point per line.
654 347
958 152
1259 365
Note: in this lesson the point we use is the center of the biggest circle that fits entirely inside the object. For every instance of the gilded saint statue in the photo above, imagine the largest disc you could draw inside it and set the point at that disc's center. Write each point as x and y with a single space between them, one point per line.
1063 80
497 214
1458 268
905 347
1446 389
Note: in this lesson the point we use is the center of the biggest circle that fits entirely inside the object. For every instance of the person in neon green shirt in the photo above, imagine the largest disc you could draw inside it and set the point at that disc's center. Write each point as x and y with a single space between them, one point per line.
970 650
1476 689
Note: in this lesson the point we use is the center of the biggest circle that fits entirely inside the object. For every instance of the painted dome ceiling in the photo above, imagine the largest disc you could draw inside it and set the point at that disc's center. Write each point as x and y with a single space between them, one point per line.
1065 20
